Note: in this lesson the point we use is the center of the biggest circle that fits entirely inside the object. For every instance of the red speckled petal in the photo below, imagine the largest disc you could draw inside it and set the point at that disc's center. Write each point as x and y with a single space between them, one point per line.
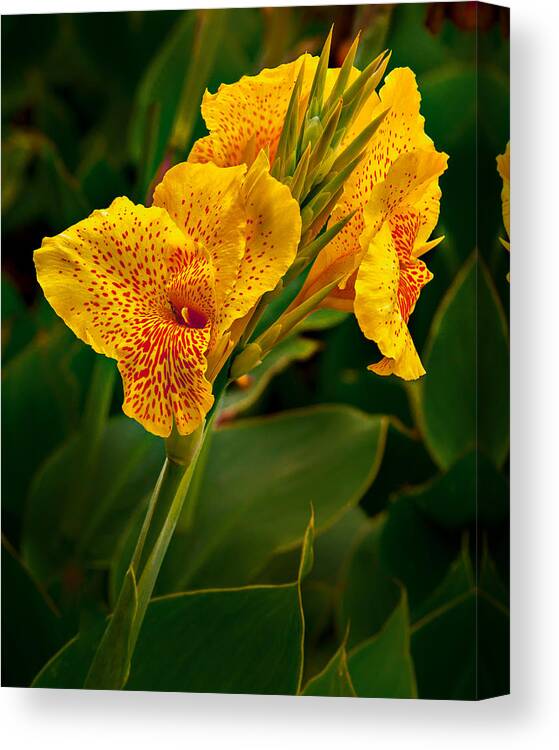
247 116
388 285
131 285
206 203
273 226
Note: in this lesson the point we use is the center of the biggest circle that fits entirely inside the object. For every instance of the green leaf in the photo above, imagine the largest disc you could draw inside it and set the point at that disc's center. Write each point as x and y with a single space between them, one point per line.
403 449
211 28
369 593
334 680
261 476
428 551
61 526
460 643
239 399
31 629
468 340
230 641
243 640
158 98
382 667
472 491
343 376
40 401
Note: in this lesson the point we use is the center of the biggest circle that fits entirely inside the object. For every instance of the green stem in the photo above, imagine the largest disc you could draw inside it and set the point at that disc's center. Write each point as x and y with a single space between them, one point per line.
110 667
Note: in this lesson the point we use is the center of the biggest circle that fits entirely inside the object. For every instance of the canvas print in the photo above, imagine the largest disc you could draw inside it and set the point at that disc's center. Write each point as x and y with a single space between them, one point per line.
255 289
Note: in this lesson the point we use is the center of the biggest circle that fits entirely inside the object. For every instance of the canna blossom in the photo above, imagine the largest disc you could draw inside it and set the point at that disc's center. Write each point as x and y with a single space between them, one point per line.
161 289
395 195
394 189
503 167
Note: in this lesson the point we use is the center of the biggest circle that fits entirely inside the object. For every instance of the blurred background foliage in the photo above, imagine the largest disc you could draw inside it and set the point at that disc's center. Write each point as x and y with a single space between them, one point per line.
409 483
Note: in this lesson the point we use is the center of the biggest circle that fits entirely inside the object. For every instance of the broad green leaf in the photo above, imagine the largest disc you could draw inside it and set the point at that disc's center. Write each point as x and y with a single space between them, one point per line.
31 629
239 398
40 401
261 476
414 551
405 462
230 641
62 525
382 667
158 96
334 680
239 640
464 397
369 593
460 643
471 491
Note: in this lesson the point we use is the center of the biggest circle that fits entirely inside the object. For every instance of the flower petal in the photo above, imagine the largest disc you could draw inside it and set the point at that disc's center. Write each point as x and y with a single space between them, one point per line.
388 285
410 181
407 366
131 285
376 295
403 128
102 273
205 202
163 369
273 233
247 116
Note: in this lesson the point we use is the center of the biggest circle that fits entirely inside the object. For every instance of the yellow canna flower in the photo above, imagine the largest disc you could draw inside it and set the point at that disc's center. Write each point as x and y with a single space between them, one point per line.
395 195
159 289
248 115
503 167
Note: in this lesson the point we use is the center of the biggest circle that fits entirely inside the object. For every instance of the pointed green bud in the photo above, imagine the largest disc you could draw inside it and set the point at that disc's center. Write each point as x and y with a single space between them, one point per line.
309 252
321 216
246 360
343 75
287 144
319 81
293 317
323 196
322 145
312 132
300 175
267 340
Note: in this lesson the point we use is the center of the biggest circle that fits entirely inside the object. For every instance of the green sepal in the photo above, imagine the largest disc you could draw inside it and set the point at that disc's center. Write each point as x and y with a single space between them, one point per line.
246 360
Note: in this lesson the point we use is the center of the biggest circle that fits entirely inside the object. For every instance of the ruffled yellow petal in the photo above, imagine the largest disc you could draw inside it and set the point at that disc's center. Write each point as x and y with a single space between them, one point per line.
403 128
407 366
376 295
410 181
503 167
387 287
273 224
206 203
247 116
130 284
